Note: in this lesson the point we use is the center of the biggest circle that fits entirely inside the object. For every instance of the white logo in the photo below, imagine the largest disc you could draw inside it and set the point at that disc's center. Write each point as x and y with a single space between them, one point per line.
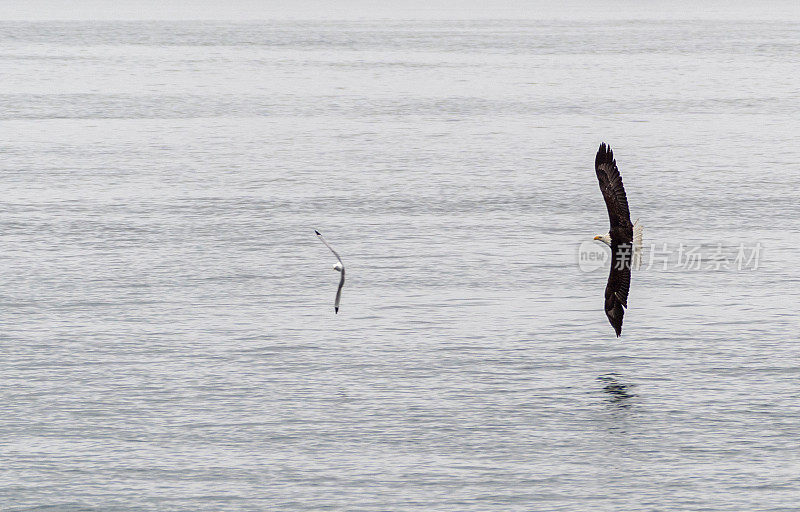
592 256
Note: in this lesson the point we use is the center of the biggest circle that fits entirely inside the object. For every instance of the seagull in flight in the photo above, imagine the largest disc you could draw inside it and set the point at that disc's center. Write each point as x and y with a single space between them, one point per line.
339 267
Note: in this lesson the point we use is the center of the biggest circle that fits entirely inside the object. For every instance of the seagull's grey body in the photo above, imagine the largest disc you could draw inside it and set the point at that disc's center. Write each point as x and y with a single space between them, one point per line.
339 267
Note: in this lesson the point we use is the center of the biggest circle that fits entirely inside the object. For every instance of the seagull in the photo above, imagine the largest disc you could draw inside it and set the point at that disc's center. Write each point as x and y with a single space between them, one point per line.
339 267
624 238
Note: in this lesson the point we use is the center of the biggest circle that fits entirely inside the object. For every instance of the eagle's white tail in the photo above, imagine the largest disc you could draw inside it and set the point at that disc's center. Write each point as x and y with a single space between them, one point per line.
637 245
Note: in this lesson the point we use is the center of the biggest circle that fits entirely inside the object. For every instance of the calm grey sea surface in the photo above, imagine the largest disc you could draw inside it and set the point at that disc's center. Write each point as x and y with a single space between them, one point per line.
168 336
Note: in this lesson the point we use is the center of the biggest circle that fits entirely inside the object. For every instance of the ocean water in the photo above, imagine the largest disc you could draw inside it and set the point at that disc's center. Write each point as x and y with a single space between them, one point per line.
168 336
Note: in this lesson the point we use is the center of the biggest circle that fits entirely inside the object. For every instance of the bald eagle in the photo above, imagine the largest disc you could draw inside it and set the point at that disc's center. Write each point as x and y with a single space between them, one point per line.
624 238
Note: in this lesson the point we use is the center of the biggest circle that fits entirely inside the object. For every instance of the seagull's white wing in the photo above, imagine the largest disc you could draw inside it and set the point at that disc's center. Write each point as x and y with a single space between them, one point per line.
339 292
331 248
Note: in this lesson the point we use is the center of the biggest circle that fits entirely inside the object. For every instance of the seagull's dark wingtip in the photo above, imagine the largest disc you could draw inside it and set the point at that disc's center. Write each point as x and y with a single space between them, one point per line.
317 232
336 310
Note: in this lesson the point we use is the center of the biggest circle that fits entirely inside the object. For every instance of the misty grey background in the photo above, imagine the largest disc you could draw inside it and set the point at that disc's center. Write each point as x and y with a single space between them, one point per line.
168 339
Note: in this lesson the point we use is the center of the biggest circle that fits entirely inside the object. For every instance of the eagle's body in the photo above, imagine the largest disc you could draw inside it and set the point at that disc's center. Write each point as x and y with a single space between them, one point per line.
638 232
620 237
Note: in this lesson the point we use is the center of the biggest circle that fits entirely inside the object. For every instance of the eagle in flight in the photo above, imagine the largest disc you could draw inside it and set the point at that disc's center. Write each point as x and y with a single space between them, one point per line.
624 237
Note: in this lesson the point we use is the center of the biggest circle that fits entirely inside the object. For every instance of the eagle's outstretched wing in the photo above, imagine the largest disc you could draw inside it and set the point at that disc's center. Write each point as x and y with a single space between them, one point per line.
619 277
619 281
613 191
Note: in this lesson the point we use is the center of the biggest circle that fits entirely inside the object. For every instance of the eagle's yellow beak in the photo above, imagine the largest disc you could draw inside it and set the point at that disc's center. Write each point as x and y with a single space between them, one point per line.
598 237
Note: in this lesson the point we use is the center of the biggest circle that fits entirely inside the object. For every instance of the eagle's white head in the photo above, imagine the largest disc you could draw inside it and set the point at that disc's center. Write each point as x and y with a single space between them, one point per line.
606 239
337 267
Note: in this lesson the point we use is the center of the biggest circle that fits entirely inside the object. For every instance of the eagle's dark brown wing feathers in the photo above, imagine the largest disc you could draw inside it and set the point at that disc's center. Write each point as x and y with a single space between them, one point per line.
611 186
619 277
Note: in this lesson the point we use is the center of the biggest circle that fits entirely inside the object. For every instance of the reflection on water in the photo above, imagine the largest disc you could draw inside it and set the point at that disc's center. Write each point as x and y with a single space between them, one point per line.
619 393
